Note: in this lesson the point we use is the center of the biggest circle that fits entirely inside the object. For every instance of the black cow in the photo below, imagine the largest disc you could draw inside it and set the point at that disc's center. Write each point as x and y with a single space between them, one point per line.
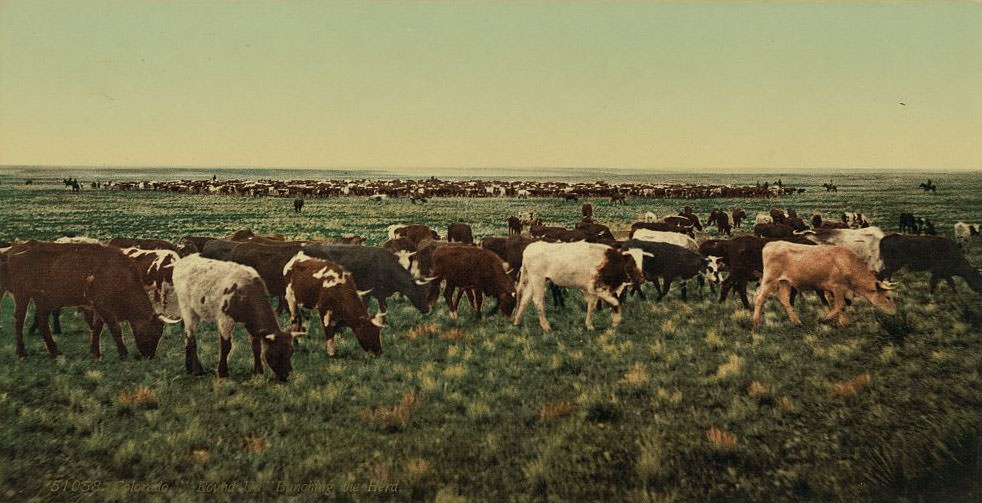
937 255
374 269
669 263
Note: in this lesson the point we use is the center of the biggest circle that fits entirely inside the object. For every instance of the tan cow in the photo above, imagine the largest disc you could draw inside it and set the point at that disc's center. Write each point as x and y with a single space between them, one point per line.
834 269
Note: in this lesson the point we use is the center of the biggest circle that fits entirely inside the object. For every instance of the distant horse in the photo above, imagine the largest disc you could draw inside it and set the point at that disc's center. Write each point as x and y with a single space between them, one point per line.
298 205
928 186
829 187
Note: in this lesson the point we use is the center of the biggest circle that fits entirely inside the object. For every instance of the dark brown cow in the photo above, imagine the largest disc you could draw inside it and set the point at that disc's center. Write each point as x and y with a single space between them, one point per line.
267 259
595 232
327 288
587 210
514 225
475 271
509 249
95 277
663 227
937 255
738 216
143 244
779 216
558 234
423 260
773 230
459 232
417 233
688 213
248 235
722 222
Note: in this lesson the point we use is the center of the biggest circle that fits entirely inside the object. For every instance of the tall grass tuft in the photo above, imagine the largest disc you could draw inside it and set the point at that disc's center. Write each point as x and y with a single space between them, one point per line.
851 386
552 411
397 416
140 398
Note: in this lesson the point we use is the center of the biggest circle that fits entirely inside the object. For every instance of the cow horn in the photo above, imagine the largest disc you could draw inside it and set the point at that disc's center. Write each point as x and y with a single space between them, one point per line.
647 254
425 281
379 320
885 285
168 320
362 293
297 335
271 337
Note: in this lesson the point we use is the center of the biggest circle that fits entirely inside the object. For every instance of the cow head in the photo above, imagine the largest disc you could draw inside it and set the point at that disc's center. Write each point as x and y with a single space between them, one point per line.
713 269
881 298
405 258
147 334
277 352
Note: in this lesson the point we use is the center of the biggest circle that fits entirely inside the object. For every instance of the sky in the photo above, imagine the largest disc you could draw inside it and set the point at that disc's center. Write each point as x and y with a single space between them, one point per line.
740 86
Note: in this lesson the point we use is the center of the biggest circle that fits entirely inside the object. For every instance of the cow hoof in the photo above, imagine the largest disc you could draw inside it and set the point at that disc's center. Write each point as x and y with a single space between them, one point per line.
453 315
22 357
96 357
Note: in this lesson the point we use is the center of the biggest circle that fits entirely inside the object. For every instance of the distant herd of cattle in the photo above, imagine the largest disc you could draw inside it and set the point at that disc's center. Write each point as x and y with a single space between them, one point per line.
419 190
228 281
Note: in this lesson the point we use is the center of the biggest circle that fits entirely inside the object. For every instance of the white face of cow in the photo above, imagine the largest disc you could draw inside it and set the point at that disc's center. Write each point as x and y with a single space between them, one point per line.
405 258
713 272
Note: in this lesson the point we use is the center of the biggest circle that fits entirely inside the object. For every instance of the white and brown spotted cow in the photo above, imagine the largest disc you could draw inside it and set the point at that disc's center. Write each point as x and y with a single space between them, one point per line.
157 269
227 293
599 271
330 290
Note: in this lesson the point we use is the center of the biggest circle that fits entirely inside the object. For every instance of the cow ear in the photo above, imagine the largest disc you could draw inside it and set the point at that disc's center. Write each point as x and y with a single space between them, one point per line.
270 337
379 320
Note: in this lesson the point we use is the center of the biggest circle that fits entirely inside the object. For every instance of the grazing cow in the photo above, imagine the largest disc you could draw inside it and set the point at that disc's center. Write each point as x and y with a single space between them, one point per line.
557 234
474 271
856 220
795 221
648 217
298 205
763 218
404 250
773 230
587 210
97 278
688 213
669 263
779 216
662 227
78 239
933 254
460 232
618 198
599 271
908 223
248 235
330 290
738 216
374 269
510 250
266 259
863 242
595 232
673 238
194 244
143 244
833 269
417 233
227 293
514 225
964 232
722 221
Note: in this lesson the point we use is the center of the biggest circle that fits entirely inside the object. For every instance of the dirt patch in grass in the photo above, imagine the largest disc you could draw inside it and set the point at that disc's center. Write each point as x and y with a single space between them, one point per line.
552 411
140 398
396 416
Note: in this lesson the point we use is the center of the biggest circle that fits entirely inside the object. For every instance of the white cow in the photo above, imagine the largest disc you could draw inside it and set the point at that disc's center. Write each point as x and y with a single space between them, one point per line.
227 293
763 217
599 271
157 270
964 232
863 242
648 217
79 239
672 238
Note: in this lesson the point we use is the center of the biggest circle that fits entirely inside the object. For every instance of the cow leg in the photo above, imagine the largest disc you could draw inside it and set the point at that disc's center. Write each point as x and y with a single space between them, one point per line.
591 301
280 304
784 296
724 290
742 290
191 363
759 298
615 306
951 283
793 296
934 282
821 297
448 292
684 294
224 348
257 355
330 338
296 321
113 324
41 316
838 304
381 305
56 322
476 301
20 312
539 298
95 333
524 297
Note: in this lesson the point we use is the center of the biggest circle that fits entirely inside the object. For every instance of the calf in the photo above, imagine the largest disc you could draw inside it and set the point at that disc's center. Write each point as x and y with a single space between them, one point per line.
933 254
600 271
330 290
666 237
95 277
374 269
514 225
227 293
475 271
669 262
833 269
460 232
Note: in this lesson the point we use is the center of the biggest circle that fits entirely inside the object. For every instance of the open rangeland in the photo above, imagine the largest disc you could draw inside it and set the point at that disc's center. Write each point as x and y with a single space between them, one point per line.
684 401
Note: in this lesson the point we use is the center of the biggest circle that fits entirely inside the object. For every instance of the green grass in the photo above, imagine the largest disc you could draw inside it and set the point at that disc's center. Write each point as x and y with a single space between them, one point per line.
683 402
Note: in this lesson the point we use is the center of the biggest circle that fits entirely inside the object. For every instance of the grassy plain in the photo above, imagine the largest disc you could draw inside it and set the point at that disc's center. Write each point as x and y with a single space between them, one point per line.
683 402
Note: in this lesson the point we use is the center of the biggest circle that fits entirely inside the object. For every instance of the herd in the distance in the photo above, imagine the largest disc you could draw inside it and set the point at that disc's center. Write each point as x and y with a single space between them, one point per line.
229 281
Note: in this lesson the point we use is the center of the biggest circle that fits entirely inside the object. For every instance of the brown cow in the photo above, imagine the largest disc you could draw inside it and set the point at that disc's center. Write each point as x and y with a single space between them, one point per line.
834 269
266 258
417 233
774 231
738 215
475 271
662 227
722 221
514 225
587 210
330 290
143 244
95 277
460 232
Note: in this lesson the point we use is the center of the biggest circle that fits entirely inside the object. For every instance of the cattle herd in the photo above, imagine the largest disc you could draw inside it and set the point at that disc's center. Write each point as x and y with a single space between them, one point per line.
230 280
419 190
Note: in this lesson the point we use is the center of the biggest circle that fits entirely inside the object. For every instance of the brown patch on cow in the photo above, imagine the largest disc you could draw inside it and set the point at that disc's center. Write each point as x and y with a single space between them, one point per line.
140 398
552 411
396 416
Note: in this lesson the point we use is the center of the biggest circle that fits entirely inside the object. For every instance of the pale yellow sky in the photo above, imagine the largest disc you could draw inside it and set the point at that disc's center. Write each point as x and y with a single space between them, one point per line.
631 85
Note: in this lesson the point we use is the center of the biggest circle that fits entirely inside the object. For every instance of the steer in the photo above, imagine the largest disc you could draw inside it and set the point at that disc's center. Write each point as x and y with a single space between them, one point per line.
774 230
673 238
600 271
157 270
330 290
227 293
934 254
669 262
835 269
404 250
267 259
459 232
90 276
477 272
374 269
863 242
416 233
